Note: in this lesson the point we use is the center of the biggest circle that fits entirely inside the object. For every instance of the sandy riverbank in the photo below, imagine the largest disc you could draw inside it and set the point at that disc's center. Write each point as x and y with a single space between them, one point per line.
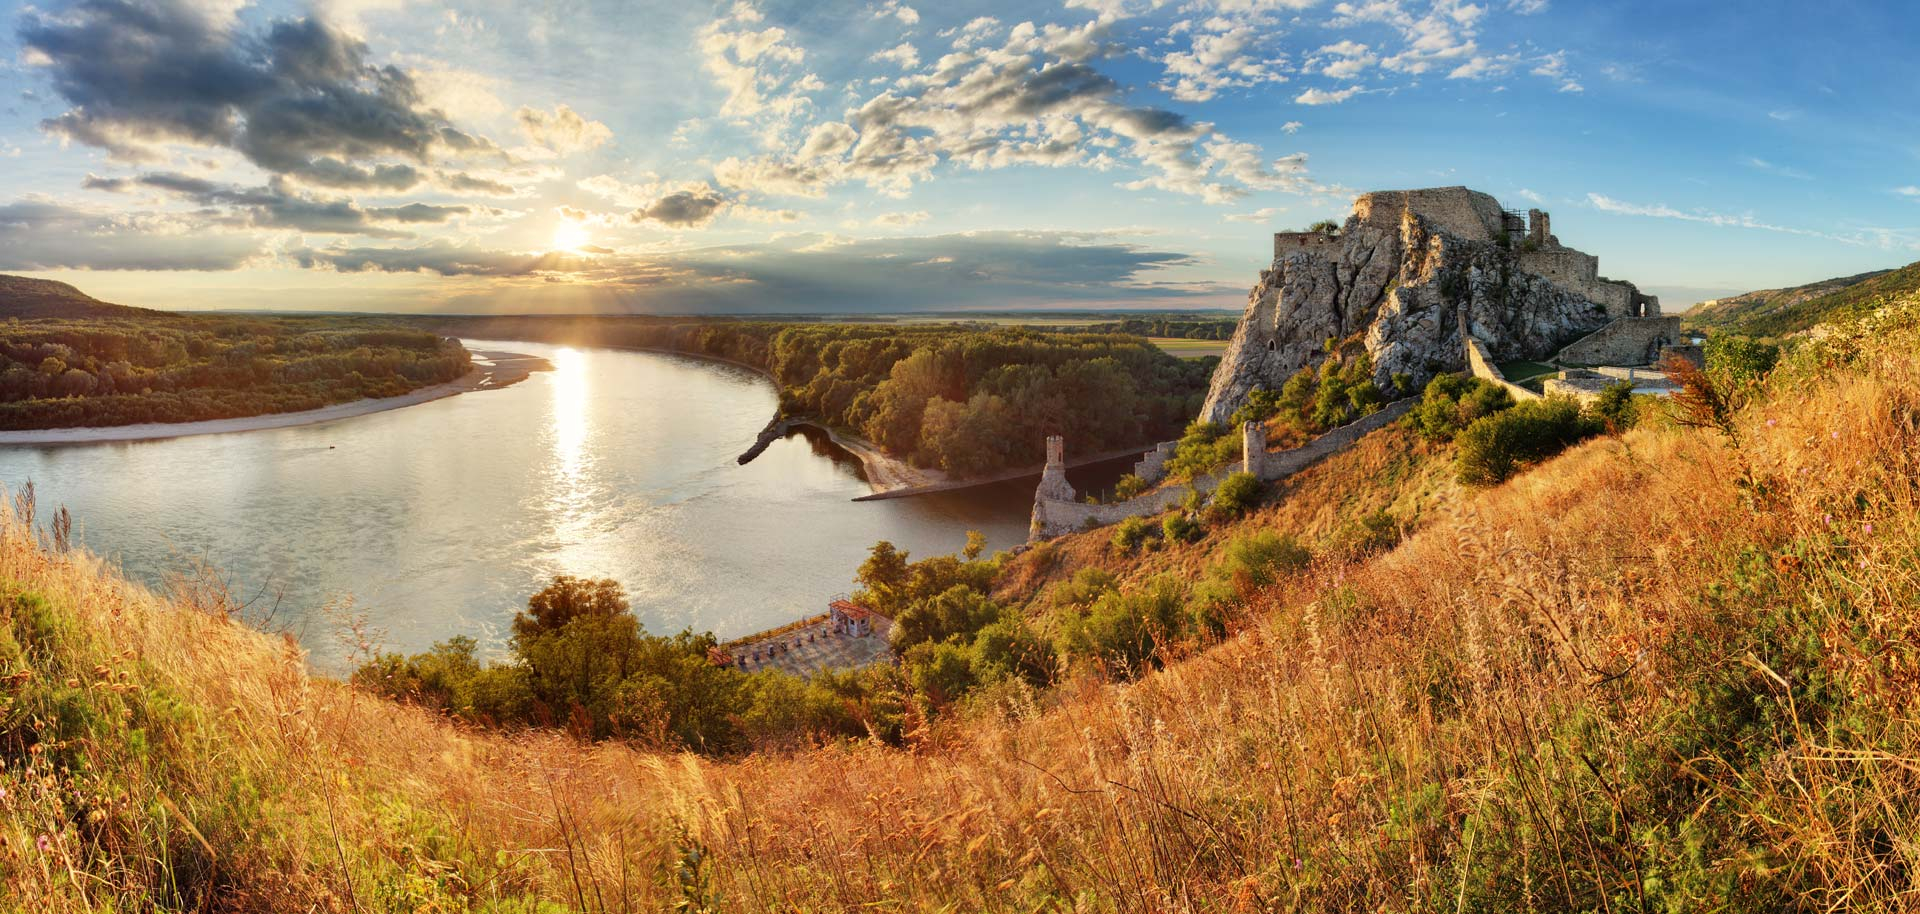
491 370
884 472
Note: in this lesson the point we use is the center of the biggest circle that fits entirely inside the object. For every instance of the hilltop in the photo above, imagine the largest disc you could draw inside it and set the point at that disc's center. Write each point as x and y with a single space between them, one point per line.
1666 670
27 298
1782 312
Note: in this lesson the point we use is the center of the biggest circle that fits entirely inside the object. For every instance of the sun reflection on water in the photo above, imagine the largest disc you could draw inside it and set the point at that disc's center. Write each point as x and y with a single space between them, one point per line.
570 423
573 486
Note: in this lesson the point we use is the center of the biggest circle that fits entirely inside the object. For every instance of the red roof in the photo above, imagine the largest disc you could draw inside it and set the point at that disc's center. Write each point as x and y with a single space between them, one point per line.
853 610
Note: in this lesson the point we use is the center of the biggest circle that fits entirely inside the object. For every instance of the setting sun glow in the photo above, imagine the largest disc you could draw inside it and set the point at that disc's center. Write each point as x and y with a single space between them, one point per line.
569 236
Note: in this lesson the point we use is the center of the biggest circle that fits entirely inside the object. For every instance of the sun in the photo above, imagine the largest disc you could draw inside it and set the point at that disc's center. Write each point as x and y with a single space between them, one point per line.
569 236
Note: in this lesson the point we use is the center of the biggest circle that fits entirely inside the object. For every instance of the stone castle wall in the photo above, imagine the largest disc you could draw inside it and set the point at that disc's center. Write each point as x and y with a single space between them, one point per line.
1469 214
1480 363
1627 341
1055 517
1285 243
1152 466
1579 273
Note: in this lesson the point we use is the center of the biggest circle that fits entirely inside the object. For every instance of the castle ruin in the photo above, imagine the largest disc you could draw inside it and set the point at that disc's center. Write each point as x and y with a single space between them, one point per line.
1408 273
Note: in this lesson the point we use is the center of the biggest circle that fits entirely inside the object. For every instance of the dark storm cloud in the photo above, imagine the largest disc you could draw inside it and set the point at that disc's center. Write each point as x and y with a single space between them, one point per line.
438 257
466 183
37 235
333 173
980 269
685 209
300 99
276 206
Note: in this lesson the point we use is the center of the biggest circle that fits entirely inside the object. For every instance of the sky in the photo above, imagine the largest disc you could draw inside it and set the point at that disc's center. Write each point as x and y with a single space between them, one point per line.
769 156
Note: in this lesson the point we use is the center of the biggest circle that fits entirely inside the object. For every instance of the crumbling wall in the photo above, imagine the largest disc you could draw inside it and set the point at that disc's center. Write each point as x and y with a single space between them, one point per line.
1285 243
1481 365
1470 214
1627 341
1055 517
1152 467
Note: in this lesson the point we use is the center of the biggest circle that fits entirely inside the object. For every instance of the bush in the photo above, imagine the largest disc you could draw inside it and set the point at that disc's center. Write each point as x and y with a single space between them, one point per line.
1452 402
1236 494
1259 559
1131 534
1129 486
1494 447
1205 447
1614 410
1128 633
1011 648
1179 527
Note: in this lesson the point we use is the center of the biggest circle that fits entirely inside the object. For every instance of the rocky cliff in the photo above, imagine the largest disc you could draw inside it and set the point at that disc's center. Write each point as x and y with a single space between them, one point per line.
1405 273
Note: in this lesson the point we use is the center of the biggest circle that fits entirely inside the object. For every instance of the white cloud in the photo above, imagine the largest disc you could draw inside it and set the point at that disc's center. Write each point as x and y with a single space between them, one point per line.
1264 214
1344 59
1323 97
1527 7
1909 191
1529 196
1291 127
901 220
758 70
906 14
1884 238
1759 164
564 131
903 55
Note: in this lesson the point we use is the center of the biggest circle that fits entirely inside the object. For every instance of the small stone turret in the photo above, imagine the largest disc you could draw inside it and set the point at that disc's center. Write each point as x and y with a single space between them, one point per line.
1253 447
1053 479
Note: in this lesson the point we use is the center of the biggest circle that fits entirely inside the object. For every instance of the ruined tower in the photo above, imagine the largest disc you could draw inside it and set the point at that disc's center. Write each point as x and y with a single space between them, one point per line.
1053 479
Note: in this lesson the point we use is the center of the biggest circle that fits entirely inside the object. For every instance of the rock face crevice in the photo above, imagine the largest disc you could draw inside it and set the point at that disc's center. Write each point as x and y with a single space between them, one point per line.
1399 278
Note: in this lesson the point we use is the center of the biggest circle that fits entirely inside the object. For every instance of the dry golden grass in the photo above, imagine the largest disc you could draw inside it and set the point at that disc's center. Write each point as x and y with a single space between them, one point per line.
1656 673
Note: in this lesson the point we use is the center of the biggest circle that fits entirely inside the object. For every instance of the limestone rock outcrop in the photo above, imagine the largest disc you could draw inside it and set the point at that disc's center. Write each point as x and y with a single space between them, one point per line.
1406 273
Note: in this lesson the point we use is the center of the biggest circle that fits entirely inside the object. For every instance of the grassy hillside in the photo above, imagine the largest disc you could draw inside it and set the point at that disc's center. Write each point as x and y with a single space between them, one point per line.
27 298
1672 670
1781 312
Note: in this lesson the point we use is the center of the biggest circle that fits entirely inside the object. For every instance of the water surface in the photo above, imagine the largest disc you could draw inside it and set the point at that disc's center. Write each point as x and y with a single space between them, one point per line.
440 519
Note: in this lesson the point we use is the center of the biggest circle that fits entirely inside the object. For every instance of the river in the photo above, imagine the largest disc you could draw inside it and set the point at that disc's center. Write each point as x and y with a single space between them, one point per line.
439 519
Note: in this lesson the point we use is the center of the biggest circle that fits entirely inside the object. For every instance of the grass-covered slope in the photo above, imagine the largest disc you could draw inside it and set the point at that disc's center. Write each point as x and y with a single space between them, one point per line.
26 298
1782 312
1673 670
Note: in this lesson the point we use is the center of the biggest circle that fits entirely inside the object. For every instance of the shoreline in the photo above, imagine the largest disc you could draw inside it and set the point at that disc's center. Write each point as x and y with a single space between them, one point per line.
886 475
492 371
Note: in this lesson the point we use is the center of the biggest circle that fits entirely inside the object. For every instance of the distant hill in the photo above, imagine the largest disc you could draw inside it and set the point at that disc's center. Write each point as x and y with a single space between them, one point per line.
1782 312
23 297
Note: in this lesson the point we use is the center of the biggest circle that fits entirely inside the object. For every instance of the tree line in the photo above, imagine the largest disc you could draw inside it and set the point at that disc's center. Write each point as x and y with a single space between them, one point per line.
178 368
968 399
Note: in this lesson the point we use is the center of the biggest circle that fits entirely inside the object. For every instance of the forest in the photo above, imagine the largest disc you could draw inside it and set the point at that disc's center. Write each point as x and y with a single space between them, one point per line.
178 368
1218 328
967 399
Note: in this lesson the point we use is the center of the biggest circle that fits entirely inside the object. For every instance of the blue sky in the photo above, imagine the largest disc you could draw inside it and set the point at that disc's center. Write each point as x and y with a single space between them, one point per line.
784 156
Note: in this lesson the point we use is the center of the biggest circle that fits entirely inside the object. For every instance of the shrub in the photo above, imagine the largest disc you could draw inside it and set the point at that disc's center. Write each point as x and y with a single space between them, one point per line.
1204 448
1236 494
1128 633
1614 410
956 613
1259 559
1737 361
1452 402
1179 527
1131 534
1011 648
1129 486
1494 447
